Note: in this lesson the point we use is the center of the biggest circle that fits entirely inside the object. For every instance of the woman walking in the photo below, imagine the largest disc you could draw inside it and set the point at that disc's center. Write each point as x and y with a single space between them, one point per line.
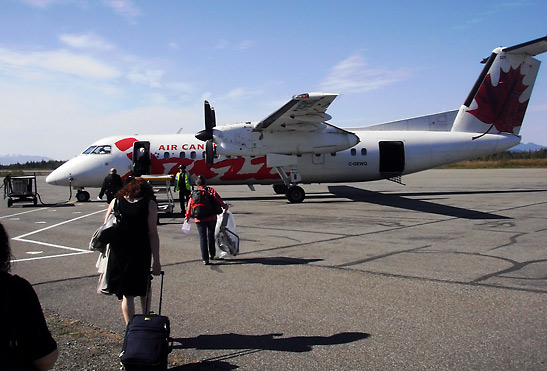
128 270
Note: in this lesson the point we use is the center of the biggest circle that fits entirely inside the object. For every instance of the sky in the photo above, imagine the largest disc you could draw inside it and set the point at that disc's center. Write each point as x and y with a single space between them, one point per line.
75 71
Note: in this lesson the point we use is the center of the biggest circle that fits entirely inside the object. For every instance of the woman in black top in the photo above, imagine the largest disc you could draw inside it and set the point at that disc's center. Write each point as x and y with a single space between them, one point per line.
131 255
24 338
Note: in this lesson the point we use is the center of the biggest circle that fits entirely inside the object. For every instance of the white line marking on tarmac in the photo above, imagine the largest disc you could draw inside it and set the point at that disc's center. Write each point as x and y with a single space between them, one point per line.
21 213
77 250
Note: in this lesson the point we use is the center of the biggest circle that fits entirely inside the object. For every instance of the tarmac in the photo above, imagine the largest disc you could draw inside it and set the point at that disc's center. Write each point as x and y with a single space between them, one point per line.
447 272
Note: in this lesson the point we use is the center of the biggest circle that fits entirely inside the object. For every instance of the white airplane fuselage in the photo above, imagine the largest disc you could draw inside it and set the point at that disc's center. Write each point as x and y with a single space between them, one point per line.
421 150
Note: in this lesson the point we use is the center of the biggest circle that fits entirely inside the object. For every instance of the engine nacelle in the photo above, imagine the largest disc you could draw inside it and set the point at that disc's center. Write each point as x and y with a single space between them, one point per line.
242 140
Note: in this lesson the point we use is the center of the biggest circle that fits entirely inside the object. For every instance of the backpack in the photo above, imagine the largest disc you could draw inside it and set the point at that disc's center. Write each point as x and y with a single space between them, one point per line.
205 204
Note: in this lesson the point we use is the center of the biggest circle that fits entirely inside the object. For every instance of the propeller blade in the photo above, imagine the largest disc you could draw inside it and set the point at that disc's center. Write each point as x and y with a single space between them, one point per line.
207 133
209 152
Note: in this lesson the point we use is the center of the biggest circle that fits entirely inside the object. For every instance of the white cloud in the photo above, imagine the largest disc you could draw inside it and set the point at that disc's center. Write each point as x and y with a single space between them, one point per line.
126 8
147 77
86 41
352 76
41 3
59 61
240 93
246 44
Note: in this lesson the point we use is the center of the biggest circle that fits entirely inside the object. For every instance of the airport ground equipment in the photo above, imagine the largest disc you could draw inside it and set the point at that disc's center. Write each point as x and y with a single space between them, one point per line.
20 189
162 184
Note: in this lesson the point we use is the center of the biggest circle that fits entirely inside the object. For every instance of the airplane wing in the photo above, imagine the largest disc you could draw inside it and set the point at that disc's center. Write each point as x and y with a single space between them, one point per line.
304 112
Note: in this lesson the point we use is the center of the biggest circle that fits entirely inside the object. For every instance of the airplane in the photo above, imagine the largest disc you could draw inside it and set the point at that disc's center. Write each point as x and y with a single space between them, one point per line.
295 144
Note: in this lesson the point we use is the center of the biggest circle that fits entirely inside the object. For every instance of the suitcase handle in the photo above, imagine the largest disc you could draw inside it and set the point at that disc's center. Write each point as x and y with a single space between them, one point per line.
162 273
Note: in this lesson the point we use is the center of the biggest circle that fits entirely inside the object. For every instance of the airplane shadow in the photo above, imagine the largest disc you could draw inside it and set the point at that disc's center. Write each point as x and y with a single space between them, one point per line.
401 202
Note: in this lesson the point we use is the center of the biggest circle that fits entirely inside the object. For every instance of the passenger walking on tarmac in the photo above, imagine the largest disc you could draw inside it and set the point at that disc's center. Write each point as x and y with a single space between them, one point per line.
112 183
25 340
183 185
205 221
128 268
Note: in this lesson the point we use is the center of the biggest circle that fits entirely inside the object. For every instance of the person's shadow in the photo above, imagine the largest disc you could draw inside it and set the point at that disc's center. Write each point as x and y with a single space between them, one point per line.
254 343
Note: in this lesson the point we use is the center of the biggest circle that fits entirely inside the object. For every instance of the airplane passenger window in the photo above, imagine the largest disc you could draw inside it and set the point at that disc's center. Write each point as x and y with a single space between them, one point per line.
353 151
193 155
363 151
89 150
333 153
182 155
165 155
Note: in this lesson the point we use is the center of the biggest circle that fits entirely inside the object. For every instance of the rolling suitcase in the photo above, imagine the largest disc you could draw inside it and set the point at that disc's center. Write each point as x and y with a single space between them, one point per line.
147 341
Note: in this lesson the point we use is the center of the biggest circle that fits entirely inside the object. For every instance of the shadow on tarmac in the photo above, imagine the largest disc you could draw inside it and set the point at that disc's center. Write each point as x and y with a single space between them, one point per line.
252 343
278 260
398 201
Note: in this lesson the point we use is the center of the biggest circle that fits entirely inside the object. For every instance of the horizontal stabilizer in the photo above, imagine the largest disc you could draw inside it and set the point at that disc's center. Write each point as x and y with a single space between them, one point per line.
532 48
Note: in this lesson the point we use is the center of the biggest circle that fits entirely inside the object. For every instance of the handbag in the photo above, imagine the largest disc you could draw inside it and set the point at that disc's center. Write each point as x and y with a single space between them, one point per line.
107 232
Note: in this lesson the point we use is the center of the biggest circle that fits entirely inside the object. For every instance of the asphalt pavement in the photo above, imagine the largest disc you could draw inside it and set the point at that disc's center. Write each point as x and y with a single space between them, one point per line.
446 272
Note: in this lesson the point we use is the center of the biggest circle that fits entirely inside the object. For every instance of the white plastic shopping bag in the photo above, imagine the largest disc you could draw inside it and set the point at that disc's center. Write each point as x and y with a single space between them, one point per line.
226 236
186 226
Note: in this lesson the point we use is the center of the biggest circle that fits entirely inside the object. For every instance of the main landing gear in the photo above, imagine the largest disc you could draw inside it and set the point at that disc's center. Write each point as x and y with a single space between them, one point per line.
293 192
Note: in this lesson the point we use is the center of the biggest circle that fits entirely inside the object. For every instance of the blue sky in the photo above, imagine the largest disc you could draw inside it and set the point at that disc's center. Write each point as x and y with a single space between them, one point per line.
74 71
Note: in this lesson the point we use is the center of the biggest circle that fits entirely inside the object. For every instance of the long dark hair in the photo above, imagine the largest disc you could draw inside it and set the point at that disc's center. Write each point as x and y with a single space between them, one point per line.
5 250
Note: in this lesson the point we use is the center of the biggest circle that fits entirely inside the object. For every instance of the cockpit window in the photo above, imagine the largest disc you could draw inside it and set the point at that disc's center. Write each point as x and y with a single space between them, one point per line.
89 150
102 150
98 150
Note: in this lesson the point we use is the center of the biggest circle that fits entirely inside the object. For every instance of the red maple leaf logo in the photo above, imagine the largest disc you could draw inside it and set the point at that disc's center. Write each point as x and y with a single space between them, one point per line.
499 105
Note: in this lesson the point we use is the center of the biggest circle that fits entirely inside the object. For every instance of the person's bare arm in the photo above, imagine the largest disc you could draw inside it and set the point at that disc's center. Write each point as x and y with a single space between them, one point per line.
154 237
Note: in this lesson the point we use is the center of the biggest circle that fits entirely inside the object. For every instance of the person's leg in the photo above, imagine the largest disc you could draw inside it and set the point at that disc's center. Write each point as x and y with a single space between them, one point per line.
211 238
145 303
202 230
182 201
128 308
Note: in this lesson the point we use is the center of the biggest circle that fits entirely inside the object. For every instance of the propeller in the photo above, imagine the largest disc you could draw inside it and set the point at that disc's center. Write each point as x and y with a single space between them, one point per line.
206 135
210 123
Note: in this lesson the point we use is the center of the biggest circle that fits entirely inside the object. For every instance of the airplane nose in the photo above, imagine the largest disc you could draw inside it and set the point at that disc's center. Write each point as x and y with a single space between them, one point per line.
57 177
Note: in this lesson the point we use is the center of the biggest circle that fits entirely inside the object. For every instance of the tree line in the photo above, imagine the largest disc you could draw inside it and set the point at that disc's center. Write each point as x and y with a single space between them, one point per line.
508 155
34 165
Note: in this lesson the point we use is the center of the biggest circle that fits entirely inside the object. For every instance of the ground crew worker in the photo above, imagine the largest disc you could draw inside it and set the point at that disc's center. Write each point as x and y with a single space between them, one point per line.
183 185
111 185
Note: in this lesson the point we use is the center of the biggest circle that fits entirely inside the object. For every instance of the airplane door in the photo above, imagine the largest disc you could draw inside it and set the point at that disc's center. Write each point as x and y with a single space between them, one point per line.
141 158
392 158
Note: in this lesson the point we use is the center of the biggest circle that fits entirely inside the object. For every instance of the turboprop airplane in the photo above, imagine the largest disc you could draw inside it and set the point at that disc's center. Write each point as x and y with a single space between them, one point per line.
295 144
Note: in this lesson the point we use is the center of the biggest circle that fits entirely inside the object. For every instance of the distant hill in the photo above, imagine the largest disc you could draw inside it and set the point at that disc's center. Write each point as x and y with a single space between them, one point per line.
525 147
22 159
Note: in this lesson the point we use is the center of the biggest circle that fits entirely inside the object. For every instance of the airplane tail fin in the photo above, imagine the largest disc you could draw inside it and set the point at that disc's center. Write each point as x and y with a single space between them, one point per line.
498 101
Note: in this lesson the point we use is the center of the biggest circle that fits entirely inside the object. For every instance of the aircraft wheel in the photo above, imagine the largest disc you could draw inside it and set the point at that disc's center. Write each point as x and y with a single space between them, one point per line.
10 202
82 196
35 200
295 194
280 189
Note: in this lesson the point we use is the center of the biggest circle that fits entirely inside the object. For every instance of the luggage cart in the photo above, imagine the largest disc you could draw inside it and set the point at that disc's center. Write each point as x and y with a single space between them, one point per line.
162 184
20 188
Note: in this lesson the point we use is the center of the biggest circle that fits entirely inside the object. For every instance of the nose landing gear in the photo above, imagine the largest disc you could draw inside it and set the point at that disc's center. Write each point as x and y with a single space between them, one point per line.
82 196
